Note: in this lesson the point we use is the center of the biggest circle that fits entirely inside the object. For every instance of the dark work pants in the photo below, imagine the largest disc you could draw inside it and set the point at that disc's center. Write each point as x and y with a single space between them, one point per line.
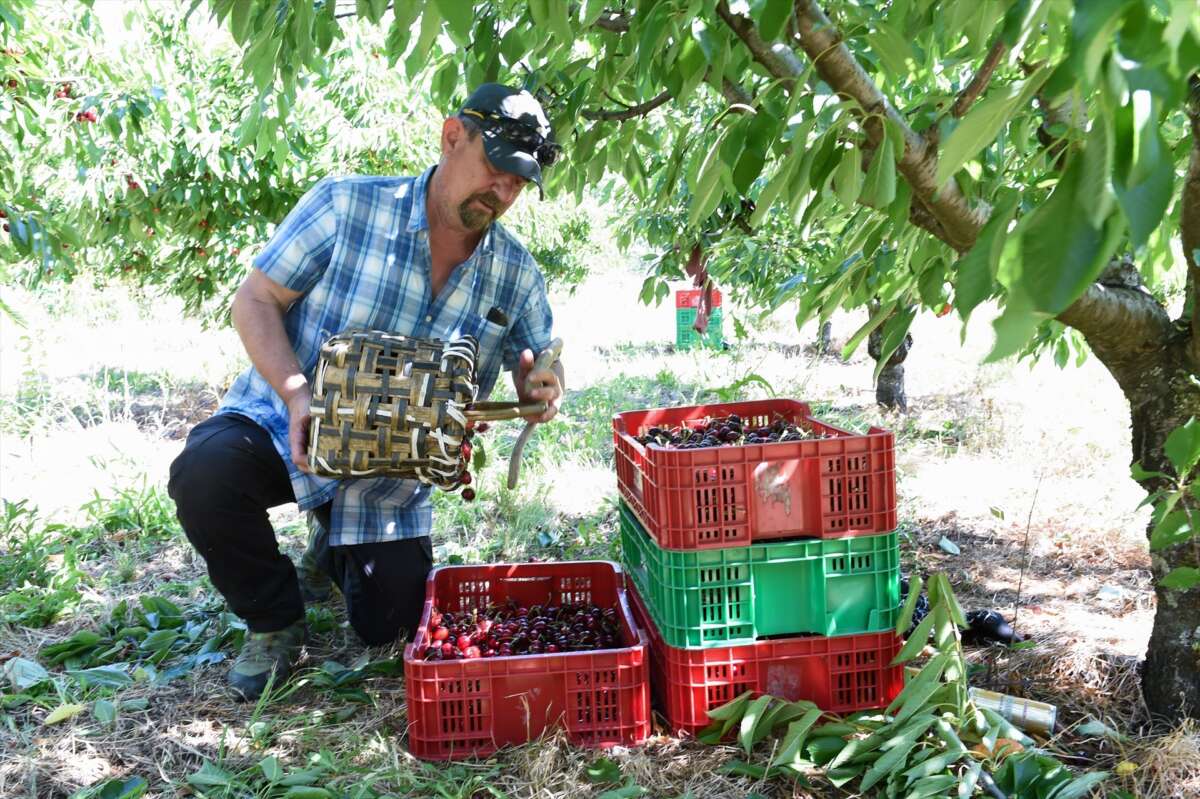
224 481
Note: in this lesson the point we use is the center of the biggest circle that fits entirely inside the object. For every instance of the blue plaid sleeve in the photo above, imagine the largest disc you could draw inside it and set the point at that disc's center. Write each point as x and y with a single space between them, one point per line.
302 246
532 328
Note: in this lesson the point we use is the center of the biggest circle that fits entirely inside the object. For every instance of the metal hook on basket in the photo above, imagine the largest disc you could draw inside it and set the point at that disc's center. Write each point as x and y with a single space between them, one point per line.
546 360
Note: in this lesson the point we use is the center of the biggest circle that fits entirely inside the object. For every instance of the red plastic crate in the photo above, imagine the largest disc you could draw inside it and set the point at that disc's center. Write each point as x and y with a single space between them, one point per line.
835 487
690 298
464 708
841 674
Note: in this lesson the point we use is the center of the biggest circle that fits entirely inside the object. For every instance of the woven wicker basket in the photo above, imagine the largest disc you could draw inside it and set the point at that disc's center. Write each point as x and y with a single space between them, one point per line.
385 405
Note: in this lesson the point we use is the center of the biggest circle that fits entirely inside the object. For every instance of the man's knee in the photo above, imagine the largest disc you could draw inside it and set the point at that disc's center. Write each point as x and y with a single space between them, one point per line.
378 627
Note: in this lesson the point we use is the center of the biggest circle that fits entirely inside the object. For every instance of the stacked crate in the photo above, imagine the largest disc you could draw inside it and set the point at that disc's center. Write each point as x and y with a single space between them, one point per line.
687 301
765 567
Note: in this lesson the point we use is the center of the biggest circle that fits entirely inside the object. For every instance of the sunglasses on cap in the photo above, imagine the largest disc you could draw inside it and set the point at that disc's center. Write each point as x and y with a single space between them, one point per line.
519 135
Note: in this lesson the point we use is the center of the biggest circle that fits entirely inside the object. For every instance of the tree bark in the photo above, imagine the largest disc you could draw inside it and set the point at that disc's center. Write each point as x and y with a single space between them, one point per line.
824 338
889 388
1165 396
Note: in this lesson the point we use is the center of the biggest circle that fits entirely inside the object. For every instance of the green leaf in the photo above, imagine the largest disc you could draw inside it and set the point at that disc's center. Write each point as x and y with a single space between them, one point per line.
401 29
560 21
1081 786
983 123
22 673
916 642
459 15
210 776
772 17
894 332
271 769
766 197
602 770
747 735
966 788
848 178
1061 253
975 273
239 20
797 733
104 711
103 676
930 674
879 189
1095 188
1174 528
63 712
732 709
897 750
1093 29
1183 447
131 788
1144 175
915 585
1181 578
879 317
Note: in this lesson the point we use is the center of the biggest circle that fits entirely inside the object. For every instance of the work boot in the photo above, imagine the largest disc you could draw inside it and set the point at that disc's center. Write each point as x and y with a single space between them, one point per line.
263 653
315 585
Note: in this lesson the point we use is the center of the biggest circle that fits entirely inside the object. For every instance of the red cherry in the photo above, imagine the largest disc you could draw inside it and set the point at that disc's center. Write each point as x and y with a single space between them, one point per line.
5 227
472 652
199 278
448 650
465 478
482 427
947 308
203 253
235 251
551 648
3 214
66 246
468 494
441 634
12 83
464 641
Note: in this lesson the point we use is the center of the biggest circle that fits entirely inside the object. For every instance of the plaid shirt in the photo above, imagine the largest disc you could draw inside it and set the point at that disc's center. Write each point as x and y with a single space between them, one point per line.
357 248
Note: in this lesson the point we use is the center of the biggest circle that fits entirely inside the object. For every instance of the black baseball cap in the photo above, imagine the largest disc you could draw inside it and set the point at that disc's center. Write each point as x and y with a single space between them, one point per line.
517 136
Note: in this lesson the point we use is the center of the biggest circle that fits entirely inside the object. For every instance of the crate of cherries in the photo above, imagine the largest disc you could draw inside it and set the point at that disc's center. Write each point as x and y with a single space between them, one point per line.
508 629
724 431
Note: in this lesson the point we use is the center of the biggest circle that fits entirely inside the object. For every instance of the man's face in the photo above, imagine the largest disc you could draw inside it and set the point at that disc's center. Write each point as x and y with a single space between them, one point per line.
476 193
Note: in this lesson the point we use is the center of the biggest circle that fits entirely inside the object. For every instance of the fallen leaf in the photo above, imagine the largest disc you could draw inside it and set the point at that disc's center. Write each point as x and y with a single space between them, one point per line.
63 712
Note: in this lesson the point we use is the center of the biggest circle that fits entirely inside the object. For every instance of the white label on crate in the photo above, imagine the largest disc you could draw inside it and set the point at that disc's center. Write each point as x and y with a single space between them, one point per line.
772 483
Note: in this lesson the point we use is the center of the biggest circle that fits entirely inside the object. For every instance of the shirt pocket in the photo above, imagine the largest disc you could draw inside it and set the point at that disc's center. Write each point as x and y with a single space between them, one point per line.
490 338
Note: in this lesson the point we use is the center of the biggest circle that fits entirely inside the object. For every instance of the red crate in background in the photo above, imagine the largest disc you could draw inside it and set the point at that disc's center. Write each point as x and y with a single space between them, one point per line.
841 674
834 487
690 298
465 708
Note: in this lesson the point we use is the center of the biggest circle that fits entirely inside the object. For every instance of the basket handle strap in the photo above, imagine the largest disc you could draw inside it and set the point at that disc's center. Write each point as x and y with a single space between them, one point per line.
545 360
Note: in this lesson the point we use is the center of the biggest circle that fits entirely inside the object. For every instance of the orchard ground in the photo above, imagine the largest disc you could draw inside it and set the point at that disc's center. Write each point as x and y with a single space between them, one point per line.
1024 469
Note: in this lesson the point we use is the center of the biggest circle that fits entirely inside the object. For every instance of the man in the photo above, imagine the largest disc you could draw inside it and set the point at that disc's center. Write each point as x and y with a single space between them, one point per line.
419 256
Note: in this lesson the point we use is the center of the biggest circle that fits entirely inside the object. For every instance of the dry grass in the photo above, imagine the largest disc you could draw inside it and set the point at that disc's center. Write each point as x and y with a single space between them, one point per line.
988 456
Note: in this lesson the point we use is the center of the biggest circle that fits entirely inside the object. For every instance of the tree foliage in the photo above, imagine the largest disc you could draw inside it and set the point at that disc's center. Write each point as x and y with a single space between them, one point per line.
948 151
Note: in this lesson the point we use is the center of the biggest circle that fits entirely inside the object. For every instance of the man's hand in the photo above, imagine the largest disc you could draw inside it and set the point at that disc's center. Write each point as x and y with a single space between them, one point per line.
299 419
542 385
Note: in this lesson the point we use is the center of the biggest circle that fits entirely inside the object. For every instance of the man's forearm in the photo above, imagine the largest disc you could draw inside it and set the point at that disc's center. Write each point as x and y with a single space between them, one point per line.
260 325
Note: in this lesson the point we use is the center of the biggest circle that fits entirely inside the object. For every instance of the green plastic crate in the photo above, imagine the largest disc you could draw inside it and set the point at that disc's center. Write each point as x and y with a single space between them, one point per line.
686 337
719 597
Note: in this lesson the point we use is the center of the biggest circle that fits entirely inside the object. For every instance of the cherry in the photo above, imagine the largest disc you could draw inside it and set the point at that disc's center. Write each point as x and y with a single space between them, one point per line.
235 251
947 308
465 479
448 650
203 253
482 427
464 641
12 83
3 214
5 227
472 652
468 494
441 634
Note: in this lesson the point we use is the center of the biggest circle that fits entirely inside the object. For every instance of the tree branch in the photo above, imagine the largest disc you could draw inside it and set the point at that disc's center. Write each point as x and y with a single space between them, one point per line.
613 21
958 219
1189 219
734 93
1122 325
978 83
629 112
